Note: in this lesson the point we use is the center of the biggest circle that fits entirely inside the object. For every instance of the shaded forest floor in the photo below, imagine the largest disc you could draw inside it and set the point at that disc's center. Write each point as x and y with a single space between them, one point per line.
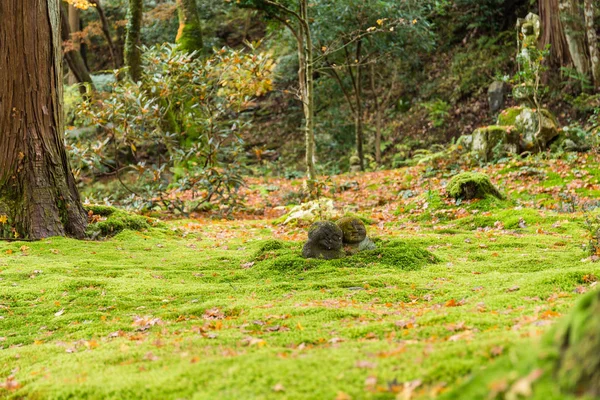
228 309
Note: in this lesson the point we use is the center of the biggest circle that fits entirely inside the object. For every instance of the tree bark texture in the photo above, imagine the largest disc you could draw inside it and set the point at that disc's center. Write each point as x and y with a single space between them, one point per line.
553 33
189 35
37 189
570 12
133 55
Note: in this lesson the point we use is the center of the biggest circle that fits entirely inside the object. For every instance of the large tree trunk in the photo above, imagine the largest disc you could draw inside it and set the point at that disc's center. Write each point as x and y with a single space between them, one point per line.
76 64
37 189
553 33
189 36
592 38
133 55
572 19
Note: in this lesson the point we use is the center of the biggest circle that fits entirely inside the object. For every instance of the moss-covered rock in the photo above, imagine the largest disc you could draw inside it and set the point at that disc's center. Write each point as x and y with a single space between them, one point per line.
494 142
533 136
310 212
108 221
471 185
508 117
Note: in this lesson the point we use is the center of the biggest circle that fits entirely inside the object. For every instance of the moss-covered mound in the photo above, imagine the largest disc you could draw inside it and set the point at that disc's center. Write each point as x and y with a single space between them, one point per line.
564 365
578 341
472 185
108 221
286 257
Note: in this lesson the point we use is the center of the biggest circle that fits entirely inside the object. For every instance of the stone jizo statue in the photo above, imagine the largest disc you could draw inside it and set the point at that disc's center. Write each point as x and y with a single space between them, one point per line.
324 241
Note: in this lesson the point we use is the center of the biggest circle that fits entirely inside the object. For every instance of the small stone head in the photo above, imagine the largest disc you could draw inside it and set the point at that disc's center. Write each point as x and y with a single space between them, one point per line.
353 229
326 235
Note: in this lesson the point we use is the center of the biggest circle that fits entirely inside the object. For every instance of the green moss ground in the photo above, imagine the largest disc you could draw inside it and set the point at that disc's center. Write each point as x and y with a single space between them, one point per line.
237 317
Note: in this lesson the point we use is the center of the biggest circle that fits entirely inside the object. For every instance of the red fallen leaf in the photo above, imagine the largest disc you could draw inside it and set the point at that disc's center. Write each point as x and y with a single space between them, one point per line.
467 335
278 388
454 303
371 383
277 328
580 289
213 313
365 365
145 323
10 384
248 265
150 357
406 324
460 326
409 389
343 396
548 314
497 351
522 387
589 278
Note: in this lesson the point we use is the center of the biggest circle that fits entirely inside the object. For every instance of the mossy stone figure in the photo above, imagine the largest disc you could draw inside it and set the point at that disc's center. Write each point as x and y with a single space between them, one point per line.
324 241
354 235
355 164
472 185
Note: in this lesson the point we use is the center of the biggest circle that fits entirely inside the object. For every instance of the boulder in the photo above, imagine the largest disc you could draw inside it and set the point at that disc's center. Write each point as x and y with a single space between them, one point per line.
471 185
497 93
494 142
324 241
534 138
309 212
508 117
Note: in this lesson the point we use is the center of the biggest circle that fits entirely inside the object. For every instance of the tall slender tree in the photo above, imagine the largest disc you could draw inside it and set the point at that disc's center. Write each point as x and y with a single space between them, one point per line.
72 54
114 54
133 55
294 15
592 38
38 195
189 35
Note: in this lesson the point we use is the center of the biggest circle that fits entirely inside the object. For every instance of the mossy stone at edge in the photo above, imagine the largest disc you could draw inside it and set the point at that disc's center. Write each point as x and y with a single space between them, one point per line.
472 185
